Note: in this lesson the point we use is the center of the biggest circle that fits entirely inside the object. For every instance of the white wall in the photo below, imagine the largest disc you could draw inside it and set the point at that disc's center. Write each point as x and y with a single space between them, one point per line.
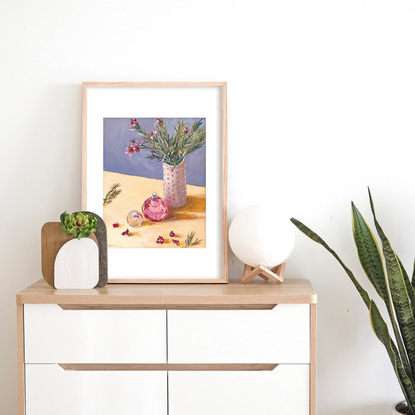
321 104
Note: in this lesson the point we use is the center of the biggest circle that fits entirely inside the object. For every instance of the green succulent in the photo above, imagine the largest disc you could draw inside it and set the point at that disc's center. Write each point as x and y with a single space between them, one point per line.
393 286
79 223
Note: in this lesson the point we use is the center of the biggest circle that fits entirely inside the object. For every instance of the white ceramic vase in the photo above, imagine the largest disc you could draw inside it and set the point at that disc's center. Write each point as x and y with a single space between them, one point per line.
76 265
174 184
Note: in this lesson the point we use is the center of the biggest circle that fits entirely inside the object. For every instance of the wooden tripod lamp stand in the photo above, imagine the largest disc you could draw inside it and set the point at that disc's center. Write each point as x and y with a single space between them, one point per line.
275 274
258 236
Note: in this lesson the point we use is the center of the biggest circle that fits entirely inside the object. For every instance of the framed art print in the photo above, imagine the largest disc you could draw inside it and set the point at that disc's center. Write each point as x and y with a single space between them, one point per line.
154 168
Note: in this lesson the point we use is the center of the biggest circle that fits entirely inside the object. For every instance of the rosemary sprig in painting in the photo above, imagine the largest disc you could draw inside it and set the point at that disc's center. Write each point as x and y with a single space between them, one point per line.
112 193
162 146
189 240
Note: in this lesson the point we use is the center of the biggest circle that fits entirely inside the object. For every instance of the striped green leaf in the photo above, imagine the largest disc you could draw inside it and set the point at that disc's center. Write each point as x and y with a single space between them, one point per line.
399 293
369 254
316 238
371 261
413 276
409 286
381 330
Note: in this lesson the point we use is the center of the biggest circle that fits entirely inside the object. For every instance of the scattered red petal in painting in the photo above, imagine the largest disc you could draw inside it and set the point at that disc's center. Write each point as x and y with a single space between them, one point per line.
176 241
153 155
172 234
160 240
127 232
115 225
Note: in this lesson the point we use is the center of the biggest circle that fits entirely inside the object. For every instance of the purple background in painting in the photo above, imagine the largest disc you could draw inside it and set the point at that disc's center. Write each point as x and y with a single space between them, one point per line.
117 136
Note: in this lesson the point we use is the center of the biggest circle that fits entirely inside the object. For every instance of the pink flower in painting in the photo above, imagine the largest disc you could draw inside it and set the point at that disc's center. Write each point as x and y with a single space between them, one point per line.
130 150
153 133
172 234
126 232
176 242
141 143
159 121
134 141
115 225
186 130
133 123
153 155
160 240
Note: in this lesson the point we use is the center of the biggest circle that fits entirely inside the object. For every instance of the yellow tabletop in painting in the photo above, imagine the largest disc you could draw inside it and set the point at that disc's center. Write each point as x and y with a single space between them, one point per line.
135 190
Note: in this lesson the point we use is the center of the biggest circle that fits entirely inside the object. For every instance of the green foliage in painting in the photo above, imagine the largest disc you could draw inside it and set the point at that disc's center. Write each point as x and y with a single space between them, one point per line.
112 193
80 224
392 284
191 241
171 149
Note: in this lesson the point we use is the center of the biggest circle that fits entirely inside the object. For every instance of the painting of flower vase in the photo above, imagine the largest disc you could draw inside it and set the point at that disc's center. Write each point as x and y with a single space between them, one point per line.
154 190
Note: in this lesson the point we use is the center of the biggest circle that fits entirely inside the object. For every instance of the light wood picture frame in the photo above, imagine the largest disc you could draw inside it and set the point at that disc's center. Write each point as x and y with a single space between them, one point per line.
136 136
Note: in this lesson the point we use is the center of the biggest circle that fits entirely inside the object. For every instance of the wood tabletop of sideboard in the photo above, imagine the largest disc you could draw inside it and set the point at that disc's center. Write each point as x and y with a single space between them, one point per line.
234 294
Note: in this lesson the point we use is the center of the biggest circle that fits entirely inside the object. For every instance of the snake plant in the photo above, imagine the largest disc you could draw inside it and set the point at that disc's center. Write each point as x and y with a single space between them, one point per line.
394 288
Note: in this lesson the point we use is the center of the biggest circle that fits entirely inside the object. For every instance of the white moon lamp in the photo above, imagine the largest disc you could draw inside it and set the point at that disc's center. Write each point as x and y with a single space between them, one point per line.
262 241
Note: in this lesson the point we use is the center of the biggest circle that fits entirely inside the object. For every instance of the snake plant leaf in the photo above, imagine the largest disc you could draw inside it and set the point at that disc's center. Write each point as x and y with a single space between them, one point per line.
397 334
413 276
371 261
381 330
316 238
369 254
409 286
399 293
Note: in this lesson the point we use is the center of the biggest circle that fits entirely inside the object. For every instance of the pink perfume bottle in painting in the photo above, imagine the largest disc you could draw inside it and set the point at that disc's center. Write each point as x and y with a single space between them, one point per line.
155 208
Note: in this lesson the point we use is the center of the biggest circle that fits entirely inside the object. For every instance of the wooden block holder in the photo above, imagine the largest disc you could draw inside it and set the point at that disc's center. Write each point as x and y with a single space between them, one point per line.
53 239
275 274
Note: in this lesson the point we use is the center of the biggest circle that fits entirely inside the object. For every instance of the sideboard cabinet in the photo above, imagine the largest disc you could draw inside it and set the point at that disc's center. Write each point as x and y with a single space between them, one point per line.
184 349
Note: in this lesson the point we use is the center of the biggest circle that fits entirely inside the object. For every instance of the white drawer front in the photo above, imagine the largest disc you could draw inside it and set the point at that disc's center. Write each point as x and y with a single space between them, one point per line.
280 335
283 391
50 390
54 335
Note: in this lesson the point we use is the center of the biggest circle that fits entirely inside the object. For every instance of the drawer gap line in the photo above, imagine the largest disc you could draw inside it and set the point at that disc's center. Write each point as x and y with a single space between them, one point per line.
228 367
167 307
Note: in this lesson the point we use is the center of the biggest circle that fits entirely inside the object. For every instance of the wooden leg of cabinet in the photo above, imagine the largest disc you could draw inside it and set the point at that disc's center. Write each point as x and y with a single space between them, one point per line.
20 360
313 359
